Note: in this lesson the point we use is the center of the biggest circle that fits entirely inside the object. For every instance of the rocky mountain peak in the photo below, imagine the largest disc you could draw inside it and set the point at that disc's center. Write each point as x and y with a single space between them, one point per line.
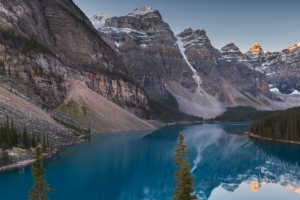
201 33
99 20
232 53
294 46
230 47
191 38
144 11
186 32
191 33
256 48
281 68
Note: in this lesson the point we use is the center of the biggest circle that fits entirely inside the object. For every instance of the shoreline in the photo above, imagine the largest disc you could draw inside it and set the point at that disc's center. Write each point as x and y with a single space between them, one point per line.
28 162
270 139
20 164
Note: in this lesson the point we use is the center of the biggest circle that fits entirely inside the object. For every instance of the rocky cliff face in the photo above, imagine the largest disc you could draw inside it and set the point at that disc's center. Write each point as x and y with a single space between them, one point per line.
199 51
235 68
147 46
60 44
203 79
281 68
224 75
232 53
213 65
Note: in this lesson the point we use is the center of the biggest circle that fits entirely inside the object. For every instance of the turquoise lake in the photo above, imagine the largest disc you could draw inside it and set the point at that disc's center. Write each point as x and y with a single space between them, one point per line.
227 164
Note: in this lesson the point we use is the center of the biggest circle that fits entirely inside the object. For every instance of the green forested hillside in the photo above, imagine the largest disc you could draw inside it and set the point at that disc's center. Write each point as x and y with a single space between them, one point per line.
284 125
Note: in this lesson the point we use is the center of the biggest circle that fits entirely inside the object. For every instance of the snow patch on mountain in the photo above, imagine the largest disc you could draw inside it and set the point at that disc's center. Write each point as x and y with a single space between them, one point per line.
182 49
295 93
276 90
121 30
198 103
118 45
99 20
141 11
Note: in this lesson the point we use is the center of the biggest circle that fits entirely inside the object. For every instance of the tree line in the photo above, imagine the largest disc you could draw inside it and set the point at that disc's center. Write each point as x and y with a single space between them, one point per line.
10 137
282 126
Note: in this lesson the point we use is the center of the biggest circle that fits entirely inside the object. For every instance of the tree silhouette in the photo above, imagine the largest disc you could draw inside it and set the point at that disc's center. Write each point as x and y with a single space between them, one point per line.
40 188
183 176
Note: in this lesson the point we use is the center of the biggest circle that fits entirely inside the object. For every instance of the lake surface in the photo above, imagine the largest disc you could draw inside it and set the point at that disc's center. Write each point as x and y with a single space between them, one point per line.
139 165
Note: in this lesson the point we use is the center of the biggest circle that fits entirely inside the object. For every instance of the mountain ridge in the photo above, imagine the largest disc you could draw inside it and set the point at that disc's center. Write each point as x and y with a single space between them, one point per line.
212 69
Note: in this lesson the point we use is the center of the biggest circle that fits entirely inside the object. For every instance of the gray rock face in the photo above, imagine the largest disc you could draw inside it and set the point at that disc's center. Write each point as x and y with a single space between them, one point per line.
232 53
215 66
203 79
75 46
147 46
282 69
199 51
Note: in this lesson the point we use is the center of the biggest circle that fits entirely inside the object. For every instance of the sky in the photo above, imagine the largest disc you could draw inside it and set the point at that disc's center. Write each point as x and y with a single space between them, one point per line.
274 24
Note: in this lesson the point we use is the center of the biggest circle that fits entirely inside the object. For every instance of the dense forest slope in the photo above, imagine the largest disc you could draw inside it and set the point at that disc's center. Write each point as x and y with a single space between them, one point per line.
283 126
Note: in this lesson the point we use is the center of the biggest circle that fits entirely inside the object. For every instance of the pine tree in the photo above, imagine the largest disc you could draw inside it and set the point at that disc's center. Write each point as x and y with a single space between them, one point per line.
44 144
4 157
38 140
33 141
283 126
26 138
19 136
183 176
40 188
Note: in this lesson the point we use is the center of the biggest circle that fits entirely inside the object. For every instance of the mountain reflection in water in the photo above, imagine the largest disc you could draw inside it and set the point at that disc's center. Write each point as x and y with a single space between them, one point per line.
222 155
140 165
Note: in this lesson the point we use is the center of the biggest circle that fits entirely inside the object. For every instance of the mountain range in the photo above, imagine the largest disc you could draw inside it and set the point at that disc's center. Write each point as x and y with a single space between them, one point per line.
204 80
121 70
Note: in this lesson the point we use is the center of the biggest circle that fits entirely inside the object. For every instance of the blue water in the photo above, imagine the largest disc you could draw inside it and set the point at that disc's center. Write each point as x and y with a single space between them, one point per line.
139 165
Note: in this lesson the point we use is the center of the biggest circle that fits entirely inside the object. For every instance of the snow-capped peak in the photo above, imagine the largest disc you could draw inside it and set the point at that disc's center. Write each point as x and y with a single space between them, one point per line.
141 11
98 20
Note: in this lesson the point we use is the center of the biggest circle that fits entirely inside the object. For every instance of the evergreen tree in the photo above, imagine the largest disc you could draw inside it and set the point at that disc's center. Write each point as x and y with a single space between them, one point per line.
26 138
19 136
281 126
38 140
183 176
40 188
44 144
33 141
4 157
